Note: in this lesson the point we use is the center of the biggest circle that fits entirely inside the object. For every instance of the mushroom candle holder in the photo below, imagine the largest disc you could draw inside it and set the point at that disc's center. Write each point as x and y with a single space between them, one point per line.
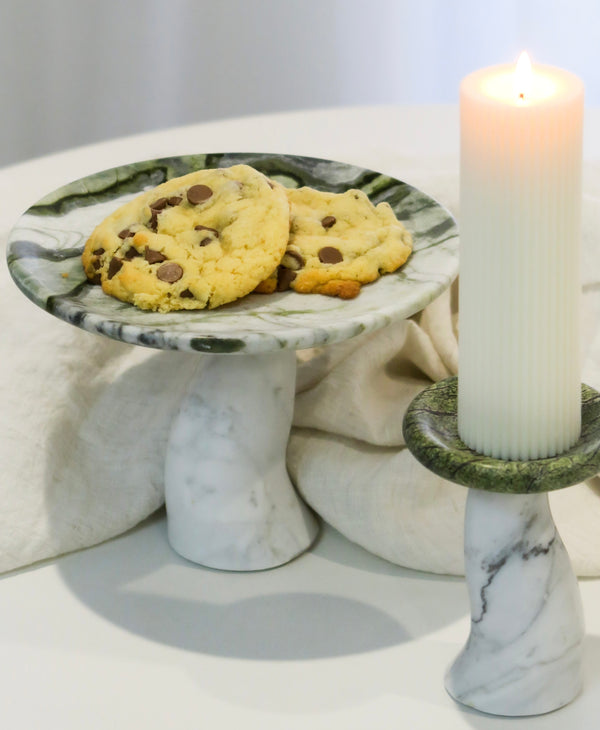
523 654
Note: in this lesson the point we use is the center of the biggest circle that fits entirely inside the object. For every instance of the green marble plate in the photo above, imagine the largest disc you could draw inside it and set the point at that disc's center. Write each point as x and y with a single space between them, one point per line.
44 260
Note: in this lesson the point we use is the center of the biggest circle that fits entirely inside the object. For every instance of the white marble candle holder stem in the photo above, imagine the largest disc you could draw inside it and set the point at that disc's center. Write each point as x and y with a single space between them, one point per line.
230 502
523 655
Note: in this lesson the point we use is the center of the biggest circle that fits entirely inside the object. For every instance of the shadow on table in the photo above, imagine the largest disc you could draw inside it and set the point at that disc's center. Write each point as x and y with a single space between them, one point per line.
335 601
295 612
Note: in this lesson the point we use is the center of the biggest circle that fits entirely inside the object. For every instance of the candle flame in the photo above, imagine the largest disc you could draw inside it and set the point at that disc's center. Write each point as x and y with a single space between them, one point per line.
523 77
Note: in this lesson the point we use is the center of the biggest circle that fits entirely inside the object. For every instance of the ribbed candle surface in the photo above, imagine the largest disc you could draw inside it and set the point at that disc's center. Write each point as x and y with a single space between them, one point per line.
520 227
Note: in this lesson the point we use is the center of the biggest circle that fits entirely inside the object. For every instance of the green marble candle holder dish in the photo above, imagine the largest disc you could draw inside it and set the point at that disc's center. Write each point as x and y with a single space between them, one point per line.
524 652
431 433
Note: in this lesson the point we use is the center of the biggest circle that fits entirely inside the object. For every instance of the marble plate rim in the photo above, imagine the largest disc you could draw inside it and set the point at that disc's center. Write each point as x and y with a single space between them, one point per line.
235 339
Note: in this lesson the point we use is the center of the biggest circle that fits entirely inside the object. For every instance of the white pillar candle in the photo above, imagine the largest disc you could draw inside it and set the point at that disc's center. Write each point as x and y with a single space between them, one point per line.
519 365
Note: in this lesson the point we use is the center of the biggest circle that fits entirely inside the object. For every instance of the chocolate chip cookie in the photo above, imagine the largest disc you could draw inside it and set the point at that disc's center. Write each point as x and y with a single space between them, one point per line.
338 242
196 241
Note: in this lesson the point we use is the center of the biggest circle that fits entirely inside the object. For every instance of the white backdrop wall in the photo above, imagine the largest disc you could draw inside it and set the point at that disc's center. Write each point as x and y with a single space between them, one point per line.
79 71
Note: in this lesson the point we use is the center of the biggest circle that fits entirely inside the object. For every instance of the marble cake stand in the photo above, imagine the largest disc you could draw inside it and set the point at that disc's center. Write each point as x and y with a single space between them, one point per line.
230 502
523 655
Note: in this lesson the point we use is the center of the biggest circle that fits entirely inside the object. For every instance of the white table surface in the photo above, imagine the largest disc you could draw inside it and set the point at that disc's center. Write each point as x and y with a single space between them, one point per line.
129 635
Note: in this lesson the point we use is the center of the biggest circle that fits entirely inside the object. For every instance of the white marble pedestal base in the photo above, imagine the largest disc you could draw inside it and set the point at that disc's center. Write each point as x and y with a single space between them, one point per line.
523 655
230 502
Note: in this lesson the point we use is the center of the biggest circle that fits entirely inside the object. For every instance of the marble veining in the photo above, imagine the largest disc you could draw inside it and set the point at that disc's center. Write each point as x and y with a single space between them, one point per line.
230 502
523 655
45 246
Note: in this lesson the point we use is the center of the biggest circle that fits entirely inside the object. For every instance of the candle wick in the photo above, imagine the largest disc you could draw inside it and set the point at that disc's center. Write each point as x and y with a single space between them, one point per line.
521 95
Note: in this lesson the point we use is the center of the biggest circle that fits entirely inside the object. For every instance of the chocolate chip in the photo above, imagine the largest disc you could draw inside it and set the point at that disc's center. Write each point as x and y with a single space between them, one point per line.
330 255
328 221
132 253
98 252
153 257
206 241
125 233
96 263
284 278
170 272
198 194
96 279
159 204
292 260
206 228
114 267
186 294
174 200
153 224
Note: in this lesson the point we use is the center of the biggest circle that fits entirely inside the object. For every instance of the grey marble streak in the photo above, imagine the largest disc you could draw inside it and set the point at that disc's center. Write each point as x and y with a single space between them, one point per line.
230 502
43 257
523 655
